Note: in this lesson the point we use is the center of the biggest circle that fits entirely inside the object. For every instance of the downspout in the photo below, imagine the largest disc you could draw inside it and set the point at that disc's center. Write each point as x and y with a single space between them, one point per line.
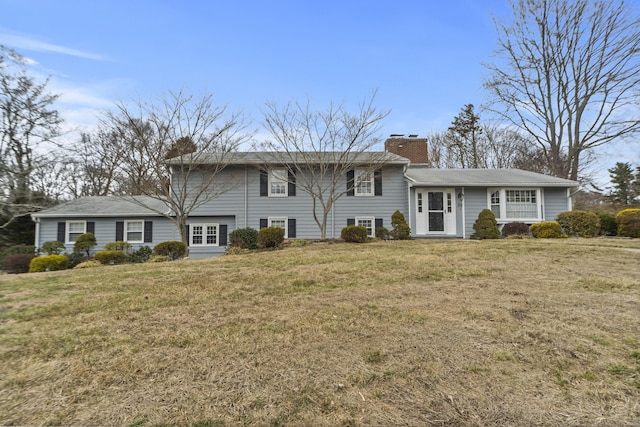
37 239
246 196
464 222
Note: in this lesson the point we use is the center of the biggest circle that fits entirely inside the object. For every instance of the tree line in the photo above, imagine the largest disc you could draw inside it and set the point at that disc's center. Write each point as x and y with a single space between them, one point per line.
565 82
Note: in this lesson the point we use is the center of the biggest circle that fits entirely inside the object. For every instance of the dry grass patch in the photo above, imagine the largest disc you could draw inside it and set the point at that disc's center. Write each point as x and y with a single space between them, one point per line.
509 332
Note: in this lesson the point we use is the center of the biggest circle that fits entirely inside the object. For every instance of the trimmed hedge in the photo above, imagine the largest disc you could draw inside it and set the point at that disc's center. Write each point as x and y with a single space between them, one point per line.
270 237
486 226
17 263
246 238
579 223
546 230
172 249
48 263
629 222
354 234
110 257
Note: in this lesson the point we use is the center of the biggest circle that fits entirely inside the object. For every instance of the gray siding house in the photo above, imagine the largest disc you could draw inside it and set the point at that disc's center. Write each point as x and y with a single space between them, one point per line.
438 203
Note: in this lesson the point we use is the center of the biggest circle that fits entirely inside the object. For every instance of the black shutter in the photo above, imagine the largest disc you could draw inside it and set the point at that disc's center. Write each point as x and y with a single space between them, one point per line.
350 179
377 182
263 223
91 227
264 183
379 222
351 221
291 191
119 231
291 228
222 241
188 237
148 231
61 231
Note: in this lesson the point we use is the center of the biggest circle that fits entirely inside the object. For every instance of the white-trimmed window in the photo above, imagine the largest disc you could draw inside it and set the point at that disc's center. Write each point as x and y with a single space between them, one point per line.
363 182
134 231
278 183
279 222
368 223
75 229
515 204
203 234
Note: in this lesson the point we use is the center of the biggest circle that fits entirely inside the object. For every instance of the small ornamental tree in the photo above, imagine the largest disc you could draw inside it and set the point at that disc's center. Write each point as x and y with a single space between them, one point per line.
53 247
401 229
85 244
486 226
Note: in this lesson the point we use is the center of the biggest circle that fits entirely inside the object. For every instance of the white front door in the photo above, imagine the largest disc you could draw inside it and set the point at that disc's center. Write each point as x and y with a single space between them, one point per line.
435 212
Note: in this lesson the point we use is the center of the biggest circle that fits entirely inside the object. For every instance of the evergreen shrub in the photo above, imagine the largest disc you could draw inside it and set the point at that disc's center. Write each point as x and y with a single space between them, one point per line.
486 226
48 263
579 223
17 263
515 229
270 237
546 230
110 257
88 264
85 244
354 234
382 233
142 254
172 249
118 245
246 238
54 247
608 223
629 222
400 228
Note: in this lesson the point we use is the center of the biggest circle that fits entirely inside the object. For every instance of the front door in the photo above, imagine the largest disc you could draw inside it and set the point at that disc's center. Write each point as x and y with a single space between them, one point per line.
435 212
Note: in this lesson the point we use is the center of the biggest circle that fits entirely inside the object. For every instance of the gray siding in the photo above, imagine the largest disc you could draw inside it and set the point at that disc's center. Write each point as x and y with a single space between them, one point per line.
555 201
208 251
475 200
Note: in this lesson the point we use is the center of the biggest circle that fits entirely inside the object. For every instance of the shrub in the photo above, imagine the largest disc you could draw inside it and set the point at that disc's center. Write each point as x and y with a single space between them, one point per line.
172 249
486 226
88 264
17 263
608 223
270 237
629 222
48 263
142 254
18 249
579 223
401 229
158 258
299 243
382 233
246 238
85 244
75 258
110 257
54 247
354 234
515 229
546 230
118 245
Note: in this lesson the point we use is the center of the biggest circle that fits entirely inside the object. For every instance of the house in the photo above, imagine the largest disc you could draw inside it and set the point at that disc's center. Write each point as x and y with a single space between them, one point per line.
436 202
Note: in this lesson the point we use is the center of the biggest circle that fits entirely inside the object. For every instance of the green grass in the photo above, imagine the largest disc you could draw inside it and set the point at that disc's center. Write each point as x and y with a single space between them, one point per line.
507 332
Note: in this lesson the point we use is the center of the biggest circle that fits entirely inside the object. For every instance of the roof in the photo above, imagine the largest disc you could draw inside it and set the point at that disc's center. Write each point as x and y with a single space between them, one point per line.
105 206
423 175
261 158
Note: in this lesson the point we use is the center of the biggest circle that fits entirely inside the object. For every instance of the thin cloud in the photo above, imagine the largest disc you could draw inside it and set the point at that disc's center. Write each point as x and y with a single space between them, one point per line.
27 43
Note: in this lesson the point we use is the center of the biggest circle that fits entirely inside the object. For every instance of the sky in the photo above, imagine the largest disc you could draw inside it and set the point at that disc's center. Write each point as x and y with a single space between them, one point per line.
423 59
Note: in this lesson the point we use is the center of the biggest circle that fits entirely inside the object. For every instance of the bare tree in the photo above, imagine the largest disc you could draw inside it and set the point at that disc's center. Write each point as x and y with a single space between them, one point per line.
319 148
28 123
148 132
568 76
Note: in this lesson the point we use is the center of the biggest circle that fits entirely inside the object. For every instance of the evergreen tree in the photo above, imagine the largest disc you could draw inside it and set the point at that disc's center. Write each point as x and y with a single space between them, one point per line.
622 179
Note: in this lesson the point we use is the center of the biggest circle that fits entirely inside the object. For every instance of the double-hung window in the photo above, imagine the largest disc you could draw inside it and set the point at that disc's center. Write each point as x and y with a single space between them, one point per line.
75 229
515 204
363 182
203 234
368 223
134 231
278 182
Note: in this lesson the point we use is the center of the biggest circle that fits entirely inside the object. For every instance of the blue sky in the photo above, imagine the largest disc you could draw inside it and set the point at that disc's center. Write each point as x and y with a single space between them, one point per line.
423 57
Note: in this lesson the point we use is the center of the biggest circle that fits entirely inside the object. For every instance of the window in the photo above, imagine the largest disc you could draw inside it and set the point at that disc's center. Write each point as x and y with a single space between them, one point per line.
279 222
363 183
515 204
133 231
367 223
278 183
203 234
75 229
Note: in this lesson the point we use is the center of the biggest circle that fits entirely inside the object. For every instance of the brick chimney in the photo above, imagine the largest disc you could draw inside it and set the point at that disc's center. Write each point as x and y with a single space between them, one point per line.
411 147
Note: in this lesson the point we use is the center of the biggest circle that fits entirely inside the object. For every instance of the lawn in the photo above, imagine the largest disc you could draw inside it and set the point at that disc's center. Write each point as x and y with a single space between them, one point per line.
414 333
